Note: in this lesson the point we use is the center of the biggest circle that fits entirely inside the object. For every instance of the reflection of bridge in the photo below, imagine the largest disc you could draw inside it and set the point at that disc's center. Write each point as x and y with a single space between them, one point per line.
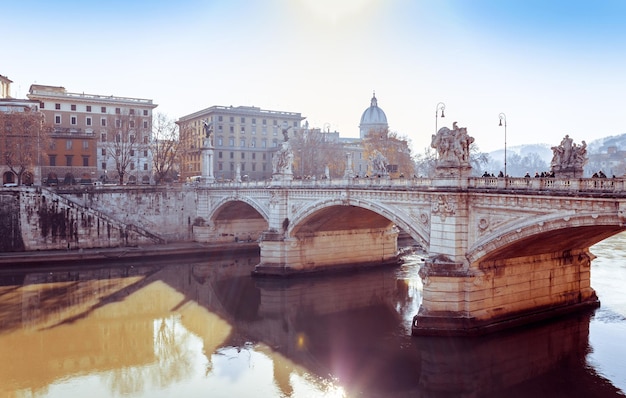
500 250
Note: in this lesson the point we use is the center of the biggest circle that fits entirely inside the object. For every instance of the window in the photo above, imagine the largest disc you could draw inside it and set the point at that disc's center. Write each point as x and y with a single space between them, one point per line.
232 119
103 166
219 155
252 143
103 152
88 121
219 119
132 166
131 124
145 124
265 122
41 105
103 137
253 121
145 112
57 119
295 124
253 155
118 138
88 108
220 141
243 120
231 141
264 144
232 129
145 165
232 155
253 130
57 106
118 123
118 111
253 166
73 120
242 142
132 138
243 155
73 107
52 159
243 129
68 144
275 122
132 152
220 166
103 122
68 160
145 139
85 161
232 166
131 111
103 109
145 153
85 144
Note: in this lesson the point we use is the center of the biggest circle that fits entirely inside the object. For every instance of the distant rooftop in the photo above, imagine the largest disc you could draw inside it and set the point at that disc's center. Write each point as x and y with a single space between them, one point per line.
38 90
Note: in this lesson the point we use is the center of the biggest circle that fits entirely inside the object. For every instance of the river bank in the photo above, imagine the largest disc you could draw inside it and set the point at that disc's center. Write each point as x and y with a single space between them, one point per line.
102 255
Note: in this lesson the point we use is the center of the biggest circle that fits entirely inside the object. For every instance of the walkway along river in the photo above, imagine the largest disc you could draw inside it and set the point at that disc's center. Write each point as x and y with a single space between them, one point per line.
197 328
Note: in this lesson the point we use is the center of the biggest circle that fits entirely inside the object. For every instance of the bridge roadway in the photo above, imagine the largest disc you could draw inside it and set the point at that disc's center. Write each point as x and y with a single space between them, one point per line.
500 251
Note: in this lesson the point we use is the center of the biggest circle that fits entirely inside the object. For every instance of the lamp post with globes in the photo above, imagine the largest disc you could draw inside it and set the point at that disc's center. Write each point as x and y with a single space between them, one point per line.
441 106
503 117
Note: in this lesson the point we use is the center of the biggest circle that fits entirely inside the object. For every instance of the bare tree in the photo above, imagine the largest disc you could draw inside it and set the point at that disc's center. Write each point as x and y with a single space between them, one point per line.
313 151
393 147
124 145
22 139
165 146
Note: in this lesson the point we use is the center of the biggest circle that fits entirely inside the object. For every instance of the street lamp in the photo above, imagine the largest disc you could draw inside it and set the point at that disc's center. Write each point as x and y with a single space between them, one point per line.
503 117
441 106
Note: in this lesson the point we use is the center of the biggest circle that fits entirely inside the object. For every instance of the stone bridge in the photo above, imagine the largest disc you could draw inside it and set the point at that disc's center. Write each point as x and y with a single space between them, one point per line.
501 251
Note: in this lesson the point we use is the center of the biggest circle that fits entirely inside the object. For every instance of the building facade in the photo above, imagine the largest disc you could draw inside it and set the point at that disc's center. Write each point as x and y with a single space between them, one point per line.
87 134
244 138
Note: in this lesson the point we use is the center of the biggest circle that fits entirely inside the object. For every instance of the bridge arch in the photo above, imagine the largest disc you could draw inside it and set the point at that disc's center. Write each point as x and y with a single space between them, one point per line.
237 218
548 234
417 230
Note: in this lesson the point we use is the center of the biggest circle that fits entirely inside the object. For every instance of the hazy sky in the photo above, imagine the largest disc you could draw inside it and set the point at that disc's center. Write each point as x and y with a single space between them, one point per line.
553 67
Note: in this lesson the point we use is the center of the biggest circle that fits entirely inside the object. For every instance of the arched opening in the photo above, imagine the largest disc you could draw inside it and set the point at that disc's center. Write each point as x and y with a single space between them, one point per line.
132 180
28 178
145 180
238 221
52 180
69 179
9 178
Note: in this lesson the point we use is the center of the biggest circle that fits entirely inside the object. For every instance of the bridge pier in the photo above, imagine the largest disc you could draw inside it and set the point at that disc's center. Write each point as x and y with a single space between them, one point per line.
327 251
496 294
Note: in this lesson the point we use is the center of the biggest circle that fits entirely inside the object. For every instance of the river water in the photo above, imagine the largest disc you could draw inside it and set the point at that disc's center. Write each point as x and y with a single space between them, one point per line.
206 328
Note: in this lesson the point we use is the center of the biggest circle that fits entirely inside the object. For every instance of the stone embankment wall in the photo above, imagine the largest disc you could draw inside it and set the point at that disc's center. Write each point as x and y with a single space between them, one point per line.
41 219
167 211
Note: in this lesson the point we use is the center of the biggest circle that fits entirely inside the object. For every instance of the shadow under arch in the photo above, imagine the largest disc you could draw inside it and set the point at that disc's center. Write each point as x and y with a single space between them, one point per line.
307 215
219 207
238 219
549 234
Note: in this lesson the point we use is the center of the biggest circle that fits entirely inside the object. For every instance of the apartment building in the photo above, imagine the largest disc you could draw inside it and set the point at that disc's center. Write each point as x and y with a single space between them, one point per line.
92 136
244 135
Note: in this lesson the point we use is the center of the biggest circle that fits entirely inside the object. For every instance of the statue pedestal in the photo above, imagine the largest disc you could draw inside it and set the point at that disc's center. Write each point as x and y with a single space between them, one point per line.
451 176
279 179
568 172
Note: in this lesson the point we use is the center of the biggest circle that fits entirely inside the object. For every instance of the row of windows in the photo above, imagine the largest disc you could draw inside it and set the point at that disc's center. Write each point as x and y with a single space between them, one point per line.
103 121
242 120
242 142
220 166
242 130
103 109
220 155
103 152
118 138
52 159
103 166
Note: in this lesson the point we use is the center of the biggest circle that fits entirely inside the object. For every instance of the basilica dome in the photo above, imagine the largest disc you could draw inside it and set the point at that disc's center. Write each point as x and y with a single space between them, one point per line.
373 119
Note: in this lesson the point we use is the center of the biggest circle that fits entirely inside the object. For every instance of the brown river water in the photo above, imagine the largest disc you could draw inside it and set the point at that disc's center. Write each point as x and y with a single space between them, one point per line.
191 328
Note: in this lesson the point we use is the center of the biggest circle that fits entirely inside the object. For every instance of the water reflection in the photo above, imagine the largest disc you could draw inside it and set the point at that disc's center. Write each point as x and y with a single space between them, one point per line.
208 328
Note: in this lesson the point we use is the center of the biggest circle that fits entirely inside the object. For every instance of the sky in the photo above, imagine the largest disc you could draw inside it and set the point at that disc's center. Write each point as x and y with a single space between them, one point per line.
552 67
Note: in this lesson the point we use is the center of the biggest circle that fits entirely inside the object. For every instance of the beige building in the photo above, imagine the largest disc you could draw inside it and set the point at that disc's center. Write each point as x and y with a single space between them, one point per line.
87 133
5 87
243 136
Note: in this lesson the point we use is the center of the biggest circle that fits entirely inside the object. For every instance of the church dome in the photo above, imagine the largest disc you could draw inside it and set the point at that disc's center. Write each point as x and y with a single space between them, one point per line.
373 118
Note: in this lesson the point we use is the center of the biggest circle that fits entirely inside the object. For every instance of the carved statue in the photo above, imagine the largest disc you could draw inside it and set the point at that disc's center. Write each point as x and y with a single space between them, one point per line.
208 130
283 160
379 163
453 146
568 155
